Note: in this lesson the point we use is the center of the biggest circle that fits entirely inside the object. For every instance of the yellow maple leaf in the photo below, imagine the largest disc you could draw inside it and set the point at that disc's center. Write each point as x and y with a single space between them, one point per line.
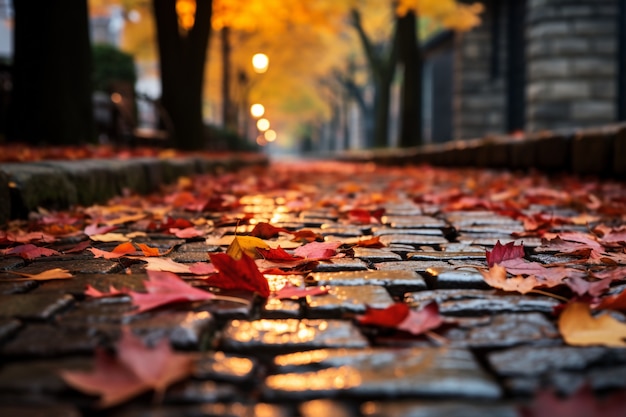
56 273
579 328
247 245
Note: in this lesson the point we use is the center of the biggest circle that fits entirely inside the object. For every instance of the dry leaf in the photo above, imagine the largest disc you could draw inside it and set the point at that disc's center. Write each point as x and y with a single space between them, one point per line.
247 245
579 328
56 273
109 237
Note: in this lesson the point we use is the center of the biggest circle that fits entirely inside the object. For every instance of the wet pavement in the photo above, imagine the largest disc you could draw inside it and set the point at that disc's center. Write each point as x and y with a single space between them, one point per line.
494 354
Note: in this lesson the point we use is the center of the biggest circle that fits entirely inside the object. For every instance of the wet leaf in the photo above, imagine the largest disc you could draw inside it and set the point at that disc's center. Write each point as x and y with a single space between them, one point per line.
504 252
134 370
247 245
579 328
28 251
56 273
265 230
496 277
318 250
238 274
399 316
293 292
277 255
165 288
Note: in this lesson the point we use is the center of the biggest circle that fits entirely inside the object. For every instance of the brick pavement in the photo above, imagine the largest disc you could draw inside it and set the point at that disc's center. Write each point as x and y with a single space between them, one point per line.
311 357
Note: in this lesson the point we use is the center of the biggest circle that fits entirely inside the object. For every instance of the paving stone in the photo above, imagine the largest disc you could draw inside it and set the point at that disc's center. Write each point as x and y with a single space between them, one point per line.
86 266
39 376
347 299
10 262
463 248
281 309
506 330
475 218
376 255
209 410
384 230
341 264
342 231
490 240
184 329
394 373
290 335
8 327
240 306
412 222
396 281
467 302
540 360
220 366
16 287
46 340
200 392
44 410
197 247
414 240
96 311
33 306
507 229
438 409
417 266
448 278
189 257
322 407
446 256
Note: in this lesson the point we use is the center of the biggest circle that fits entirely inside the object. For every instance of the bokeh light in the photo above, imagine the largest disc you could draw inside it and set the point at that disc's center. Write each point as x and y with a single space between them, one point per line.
263 124
257 110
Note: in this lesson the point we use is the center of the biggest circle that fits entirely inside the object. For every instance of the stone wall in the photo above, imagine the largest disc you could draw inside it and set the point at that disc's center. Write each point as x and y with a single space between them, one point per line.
572 65
479 95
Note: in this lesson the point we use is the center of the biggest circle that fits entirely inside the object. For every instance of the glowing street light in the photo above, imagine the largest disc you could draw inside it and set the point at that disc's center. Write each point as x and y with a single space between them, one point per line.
260 63
270 135
257 110
263 124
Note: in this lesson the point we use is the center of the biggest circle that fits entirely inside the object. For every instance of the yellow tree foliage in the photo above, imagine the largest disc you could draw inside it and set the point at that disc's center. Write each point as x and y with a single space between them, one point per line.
449 13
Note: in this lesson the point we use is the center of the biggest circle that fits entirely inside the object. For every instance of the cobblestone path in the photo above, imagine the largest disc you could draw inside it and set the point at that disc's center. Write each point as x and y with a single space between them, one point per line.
496 353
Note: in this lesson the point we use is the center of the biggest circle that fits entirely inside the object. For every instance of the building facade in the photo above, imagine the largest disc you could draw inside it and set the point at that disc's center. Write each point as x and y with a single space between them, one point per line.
535 65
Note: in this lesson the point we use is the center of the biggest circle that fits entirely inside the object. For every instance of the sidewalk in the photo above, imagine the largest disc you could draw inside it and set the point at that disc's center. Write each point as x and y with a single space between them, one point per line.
388 237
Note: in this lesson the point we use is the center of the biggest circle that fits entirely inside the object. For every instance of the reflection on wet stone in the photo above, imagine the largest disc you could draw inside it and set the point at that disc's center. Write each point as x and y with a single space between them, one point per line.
290 335
376 255
58 341
33 306
417 266
221 366
352 299
403 280
341 264
437 409
448 278
390 373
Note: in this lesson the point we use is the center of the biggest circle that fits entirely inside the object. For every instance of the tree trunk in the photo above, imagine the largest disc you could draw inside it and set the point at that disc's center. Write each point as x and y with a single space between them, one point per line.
51 102
382 101
182 59
411 102
229 115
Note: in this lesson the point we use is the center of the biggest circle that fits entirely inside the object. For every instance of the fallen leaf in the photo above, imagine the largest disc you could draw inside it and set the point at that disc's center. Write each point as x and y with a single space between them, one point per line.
613 302
550 277
306 235
120 250
504 252
94 293
134 370
293 292
28 251
265 230
165 264
149 251
373 242
277 255
94 229
56 273
186 233
79 248
581 286
401 317
109 237
202 268
238 274
579 328
165 288
496 277
247 245
318 250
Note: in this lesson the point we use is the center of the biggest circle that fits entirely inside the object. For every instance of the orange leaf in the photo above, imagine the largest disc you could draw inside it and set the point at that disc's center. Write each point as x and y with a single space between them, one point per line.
579 328
56 273
496 278
147 250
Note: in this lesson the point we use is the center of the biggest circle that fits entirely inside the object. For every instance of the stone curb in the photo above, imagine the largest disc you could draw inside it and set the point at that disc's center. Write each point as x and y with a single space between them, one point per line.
595 151
60 184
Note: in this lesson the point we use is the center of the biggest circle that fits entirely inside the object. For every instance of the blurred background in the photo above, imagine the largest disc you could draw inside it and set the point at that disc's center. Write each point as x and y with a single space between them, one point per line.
291 76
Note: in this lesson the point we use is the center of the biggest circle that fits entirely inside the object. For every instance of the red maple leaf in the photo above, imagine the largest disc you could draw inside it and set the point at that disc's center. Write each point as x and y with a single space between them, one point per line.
134 370
362 216
613 302
265 230
242 274
318 250
28 251
504 252
277 255
165 288
399 316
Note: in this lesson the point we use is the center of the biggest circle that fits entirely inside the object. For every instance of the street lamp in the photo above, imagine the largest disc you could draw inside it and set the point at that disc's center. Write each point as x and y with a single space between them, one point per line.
270 135
260 63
